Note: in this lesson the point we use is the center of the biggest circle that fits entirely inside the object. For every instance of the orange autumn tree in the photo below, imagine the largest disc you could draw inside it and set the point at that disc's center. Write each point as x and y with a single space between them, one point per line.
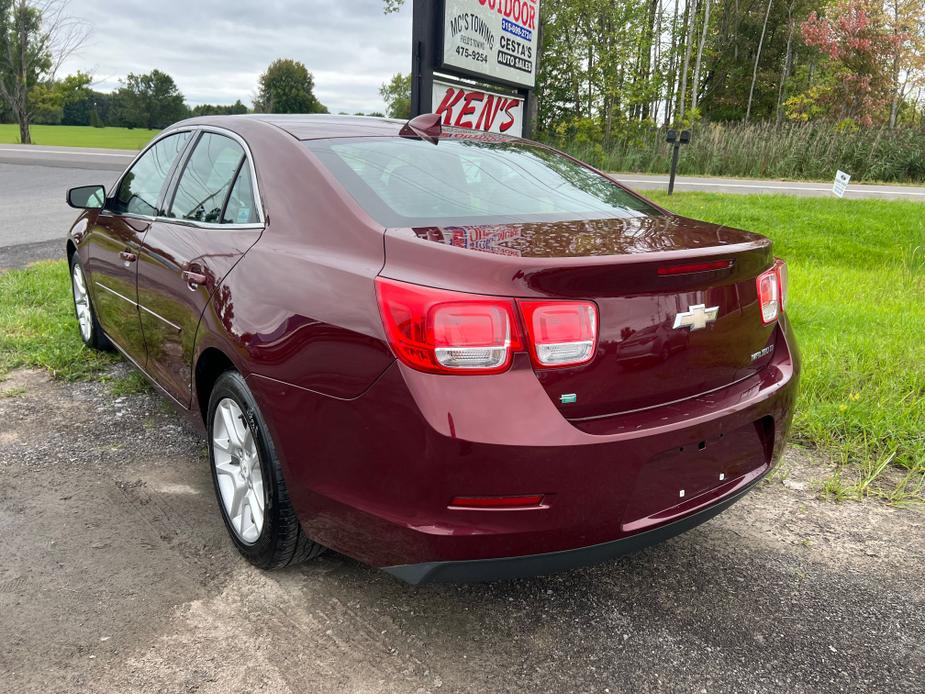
858 50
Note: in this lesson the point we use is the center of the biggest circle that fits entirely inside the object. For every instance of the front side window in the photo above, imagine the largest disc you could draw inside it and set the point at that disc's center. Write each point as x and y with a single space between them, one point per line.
141 187
408 183
207 179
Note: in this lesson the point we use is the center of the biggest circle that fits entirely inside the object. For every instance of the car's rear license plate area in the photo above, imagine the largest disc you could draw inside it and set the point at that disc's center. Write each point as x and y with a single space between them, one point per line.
676 477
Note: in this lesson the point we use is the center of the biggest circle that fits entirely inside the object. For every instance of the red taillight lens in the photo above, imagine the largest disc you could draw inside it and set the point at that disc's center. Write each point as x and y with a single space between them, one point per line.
448 332
783 281
769 295
486 502
562 333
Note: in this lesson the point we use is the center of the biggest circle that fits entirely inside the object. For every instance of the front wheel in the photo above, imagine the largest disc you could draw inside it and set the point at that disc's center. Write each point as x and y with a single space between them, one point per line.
249 482
90 331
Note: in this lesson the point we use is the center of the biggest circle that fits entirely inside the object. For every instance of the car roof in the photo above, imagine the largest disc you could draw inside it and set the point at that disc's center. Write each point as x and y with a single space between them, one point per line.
323 126
316 126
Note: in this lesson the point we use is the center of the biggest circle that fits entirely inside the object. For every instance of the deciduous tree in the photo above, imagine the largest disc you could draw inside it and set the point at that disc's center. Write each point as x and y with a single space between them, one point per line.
287 87
396 93
151 100
858 50
36 36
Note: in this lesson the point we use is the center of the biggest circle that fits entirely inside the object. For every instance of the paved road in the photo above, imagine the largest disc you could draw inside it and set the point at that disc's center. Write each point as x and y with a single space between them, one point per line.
116 575
67 157
34 216
32 200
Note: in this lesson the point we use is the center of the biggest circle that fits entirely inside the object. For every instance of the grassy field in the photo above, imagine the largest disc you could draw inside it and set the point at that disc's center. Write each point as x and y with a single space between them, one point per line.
857 272
79 136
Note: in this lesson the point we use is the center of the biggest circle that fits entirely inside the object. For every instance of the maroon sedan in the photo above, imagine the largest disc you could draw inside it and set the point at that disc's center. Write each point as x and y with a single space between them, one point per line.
455 356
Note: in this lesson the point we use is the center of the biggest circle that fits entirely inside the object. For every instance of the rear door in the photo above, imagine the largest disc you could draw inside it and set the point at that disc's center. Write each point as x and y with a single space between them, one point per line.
211 217
115 240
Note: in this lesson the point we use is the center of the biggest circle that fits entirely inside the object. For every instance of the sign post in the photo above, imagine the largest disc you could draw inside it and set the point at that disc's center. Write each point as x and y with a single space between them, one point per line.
676 140
484 54
423 32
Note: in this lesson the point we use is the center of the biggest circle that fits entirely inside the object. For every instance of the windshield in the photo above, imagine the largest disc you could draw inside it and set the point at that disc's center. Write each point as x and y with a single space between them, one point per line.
408 183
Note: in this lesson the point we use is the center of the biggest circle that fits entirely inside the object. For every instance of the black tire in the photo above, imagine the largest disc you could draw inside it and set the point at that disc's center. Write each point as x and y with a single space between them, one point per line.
97 338
281 541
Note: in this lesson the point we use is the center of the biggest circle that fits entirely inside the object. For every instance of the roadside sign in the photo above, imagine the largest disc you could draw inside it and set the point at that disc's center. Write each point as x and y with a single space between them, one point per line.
841 183
493 39
477 109
492 43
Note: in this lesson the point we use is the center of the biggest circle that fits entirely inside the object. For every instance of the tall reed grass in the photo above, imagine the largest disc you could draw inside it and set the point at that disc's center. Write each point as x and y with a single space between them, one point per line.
761 150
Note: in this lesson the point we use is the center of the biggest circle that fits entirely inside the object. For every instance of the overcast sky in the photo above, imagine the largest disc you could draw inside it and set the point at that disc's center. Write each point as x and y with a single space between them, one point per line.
216 50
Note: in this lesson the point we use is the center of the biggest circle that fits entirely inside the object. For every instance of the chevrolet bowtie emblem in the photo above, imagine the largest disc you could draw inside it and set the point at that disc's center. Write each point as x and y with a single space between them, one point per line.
696 317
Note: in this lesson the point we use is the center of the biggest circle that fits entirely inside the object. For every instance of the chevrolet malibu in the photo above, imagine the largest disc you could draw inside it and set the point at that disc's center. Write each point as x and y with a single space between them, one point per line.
452 355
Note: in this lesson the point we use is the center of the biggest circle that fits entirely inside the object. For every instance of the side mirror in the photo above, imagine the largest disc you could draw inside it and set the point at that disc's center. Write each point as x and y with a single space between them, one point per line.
87 197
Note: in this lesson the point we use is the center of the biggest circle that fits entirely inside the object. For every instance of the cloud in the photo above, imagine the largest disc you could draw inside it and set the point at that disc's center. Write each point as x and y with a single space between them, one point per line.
216 51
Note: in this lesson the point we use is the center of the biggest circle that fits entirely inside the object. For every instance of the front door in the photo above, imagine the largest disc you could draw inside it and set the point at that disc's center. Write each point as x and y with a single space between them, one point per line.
211 220
114 242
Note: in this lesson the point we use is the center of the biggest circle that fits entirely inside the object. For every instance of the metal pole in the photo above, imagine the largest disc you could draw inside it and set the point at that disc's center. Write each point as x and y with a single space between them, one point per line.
423 37
674 166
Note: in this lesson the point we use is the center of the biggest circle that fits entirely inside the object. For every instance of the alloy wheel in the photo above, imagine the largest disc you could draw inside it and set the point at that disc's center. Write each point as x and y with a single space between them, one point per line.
238 471
82 303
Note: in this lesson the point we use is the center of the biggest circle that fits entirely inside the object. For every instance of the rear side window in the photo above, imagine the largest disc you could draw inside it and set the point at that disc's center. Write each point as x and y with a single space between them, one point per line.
240 208
403 182
207 180
140 188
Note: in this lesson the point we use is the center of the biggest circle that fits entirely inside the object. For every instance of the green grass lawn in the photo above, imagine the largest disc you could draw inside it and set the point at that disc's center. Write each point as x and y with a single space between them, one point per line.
37 324
79 136
857 301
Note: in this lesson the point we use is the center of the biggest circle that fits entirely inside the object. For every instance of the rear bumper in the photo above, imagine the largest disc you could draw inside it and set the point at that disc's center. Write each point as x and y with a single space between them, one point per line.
372 476
506 568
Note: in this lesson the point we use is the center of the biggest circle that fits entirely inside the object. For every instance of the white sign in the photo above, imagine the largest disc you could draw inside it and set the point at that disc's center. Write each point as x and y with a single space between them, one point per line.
496 39
841 183
476 109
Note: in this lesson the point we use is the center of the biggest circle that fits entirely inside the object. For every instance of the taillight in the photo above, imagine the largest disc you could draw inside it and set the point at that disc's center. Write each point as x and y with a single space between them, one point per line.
445 332
561 333
769 295
783 281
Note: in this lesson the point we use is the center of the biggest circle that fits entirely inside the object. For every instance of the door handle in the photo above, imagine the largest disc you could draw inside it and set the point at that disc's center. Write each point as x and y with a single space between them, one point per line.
194 279
128 257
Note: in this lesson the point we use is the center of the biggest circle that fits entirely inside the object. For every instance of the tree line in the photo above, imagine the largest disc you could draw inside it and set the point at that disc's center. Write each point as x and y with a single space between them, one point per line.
616 63
153 100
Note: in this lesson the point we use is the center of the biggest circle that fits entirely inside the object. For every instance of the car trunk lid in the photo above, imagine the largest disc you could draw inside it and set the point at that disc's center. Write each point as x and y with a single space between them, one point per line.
677 299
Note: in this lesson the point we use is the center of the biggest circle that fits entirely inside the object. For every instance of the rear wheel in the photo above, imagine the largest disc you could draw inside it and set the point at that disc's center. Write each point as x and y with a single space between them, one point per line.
249 482
90 331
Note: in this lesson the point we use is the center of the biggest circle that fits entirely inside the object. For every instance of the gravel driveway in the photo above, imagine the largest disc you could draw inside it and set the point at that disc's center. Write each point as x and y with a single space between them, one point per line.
116 576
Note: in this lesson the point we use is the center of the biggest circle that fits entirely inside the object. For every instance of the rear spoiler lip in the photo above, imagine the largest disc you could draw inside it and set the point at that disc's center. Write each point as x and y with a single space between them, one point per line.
405 234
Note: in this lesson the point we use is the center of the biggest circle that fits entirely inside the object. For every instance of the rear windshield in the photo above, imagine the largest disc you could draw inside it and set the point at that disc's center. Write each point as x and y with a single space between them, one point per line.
409 183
